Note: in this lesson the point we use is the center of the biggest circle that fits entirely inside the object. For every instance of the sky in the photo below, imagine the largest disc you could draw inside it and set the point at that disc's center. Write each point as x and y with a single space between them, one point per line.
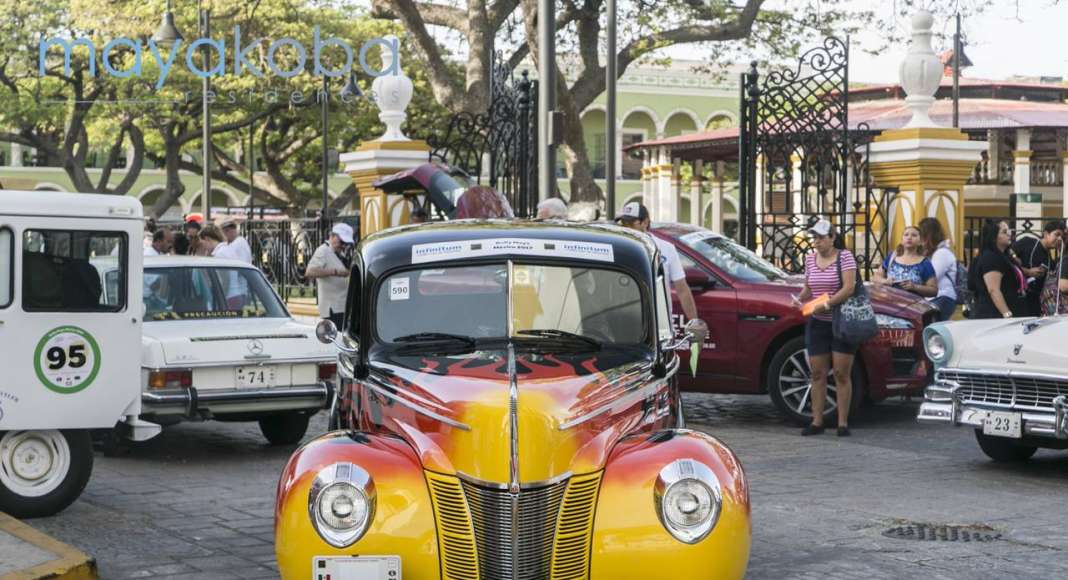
999 44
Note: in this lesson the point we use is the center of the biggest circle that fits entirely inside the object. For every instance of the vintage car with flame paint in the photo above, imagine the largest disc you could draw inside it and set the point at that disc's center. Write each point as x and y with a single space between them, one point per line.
509 409
1006 379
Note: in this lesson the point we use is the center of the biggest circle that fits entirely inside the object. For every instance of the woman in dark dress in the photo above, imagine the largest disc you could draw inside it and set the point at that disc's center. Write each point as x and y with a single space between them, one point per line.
998 283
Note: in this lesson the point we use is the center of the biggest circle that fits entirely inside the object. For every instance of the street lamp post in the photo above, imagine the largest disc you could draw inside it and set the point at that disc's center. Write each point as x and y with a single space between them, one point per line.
350 90
205 106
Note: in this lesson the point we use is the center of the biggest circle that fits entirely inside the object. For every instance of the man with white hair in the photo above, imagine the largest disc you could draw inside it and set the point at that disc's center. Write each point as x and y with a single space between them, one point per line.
552 208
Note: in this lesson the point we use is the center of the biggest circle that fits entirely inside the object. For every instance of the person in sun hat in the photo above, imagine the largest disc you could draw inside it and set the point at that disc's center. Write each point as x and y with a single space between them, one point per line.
331 275
635 216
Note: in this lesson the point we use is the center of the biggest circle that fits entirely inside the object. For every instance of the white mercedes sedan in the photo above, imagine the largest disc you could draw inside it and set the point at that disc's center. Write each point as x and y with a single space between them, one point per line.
219 344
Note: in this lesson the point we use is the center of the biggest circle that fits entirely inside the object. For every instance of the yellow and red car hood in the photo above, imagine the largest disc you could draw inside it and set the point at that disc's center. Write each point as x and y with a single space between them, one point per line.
569 413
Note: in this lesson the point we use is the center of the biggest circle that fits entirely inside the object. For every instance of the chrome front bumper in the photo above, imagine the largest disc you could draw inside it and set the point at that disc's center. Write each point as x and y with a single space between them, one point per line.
193 402
942 404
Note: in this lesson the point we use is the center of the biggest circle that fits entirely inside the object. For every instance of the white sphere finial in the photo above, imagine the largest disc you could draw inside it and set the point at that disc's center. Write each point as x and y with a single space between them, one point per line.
392 92
921 71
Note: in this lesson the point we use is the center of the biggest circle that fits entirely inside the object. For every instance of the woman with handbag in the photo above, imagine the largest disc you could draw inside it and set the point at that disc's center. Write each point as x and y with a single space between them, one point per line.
830 270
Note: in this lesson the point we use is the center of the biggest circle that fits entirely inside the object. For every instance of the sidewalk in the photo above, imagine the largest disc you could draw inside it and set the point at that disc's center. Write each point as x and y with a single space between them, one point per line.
26 554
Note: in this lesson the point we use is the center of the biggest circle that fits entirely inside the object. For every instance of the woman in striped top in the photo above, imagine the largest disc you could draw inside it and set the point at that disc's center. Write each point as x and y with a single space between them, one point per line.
824 350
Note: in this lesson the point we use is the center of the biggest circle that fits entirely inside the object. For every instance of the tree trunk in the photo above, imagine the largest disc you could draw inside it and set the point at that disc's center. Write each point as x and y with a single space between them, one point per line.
583 186
174 188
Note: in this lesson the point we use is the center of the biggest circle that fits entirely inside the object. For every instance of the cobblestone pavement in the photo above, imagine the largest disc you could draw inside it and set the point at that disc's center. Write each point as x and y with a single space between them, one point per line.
196 502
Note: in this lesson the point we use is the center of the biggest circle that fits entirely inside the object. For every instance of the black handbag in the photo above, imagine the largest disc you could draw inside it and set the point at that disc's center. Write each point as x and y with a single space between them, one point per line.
853 321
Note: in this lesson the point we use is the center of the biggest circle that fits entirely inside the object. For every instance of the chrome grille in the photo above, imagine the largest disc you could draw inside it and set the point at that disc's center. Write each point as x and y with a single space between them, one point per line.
571 553
1006 389
535 515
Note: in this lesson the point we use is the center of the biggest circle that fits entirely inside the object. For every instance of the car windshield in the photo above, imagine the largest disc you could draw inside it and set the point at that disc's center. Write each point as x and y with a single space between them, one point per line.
733 259
208 293
549 303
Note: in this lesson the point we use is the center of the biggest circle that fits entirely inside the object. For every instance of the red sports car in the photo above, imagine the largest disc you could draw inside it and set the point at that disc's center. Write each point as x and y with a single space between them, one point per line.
756 341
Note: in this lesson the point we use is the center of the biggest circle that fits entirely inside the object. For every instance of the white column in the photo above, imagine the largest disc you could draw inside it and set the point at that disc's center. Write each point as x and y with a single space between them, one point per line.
663 186
675 200
1022 156
716 224
16 155
695 192
1064 174
647 178
796 182
993 154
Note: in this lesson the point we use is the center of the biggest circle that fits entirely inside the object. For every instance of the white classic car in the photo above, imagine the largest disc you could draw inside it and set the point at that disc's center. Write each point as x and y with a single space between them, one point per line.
218 343
1007 379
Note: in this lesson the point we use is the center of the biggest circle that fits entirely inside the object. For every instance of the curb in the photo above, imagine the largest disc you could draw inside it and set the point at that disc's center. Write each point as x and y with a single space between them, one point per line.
296 308
71 564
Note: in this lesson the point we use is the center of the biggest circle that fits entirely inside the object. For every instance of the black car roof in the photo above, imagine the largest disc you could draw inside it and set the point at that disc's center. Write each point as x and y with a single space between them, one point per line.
441 242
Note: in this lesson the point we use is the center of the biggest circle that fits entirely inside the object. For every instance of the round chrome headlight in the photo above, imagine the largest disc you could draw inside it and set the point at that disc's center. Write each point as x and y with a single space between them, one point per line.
688 500
341 504
936 345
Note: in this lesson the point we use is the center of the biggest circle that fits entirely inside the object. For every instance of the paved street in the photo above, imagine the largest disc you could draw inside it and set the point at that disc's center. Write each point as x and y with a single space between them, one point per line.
196 502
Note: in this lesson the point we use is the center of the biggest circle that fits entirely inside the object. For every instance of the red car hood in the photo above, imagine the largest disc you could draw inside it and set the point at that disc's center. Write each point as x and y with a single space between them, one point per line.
885 299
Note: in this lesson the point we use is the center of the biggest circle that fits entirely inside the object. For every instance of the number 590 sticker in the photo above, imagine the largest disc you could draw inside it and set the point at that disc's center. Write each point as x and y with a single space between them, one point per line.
67 359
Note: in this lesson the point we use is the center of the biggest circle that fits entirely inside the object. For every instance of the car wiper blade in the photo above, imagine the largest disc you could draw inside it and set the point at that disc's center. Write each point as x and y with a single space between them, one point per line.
435 337
562 335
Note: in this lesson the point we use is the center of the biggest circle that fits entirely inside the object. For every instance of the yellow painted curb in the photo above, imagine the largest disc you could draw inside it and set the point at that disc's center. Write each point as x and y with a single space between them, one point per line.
72 564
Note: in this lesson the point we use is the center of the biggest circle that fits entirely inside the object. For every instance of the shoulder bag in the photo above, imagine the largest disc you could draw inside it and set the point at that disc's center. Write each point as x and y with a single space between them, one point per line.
853 321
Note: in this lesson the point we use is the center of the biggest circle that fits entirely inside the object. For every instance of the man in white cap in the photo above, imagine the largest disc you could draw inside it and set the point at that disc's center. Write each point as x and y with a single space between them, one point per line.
331 275
237 244
635 216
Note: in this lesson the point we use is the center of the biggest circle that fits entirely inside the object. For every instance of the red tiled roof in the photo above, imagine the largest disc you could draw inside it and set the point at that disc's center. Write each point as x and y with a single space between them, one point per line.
975 114
947 81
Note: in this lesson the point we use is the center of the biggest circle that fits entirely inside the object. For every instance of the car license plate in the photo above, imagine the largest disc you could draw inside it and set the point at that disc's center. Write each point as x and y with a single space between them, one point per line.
255 377
1001 424
357 568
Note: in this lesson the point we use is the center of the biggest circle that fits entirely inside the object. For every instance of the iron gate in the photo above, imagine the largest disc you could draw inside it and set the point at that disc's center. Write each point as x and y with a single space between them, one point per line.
800 161
498 147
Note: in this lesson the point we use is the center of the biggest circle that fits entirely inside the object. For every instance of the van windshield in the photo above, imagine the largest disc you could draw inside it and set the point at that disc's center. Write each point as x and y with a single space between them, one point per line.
472 302
208 293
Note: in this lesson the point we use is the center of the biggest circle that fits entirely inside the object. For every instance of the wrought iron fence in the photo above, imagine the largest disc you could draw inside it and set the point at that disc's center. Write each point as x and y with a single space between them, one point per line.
799 162
498 147
283 248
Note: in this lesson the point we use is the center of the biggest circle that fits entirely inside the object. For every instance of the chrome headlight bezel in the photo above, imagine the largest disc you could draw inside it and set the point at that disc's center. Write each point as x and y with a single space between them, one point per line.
687 471
937 344
885 321
349 479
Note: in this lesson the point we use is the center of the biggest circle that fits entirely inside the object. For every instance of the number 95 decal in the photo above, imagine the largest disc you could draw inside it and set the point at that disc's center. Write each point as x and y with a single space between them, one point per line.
67 359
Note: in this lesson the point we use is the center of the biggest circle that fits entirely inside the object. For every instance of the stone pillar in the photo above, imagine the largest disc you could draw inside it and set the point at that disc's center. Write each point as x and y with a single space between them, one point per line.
1064 184
929 165
16 155
390 153
993 154
695 192
718 170
1022 156
663 186
648 177
675 200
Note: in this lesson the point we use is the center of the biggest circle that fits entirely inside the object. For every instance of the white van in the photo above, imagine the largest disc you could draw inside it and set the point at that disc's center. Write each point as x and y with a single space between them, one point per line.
68 340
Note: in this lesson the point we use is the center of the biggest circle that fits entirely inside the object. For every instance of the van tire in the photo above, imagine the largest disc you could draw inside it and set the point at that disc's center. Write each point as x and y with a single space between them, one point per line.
75 447
285 428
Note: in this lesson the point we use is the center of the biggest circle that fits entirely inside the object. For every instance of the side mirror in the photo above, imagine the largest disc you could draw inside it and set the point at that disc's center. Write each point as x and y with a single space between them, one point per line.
326 331
699 279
